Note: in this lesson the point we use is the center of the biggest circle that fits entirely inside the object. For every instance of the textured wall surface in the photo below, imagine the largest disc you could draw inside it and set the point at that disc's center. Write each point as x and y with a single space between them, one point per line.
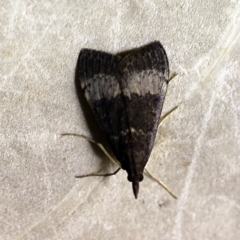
196 151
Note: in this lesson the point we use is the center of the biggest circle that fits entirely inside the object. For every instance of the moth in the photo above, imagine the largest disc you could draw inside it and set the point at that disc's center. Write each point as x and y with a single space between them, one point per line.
126 93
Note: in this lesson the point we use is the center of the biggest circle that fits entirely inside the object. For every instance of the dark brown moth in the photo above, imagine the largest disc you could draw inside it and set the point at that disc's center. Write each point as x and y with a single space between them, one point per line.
126 94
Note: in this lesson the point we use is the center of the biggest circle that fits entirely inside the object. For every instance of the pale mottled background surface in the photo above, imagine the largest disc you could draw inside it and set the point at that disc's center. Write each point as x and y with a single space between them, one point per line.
196 151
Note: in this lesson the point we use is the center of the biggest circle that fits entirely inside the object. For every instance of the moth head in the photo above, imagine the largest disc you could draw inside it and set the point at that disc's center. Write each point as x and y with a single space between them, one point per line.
135 179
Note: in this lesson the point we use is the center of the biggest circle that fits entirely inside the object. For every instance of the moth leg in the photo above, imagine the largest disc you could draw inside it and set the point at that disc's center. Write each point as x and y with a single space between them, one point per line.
161 183
172 76
97 143
98 174
167 114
